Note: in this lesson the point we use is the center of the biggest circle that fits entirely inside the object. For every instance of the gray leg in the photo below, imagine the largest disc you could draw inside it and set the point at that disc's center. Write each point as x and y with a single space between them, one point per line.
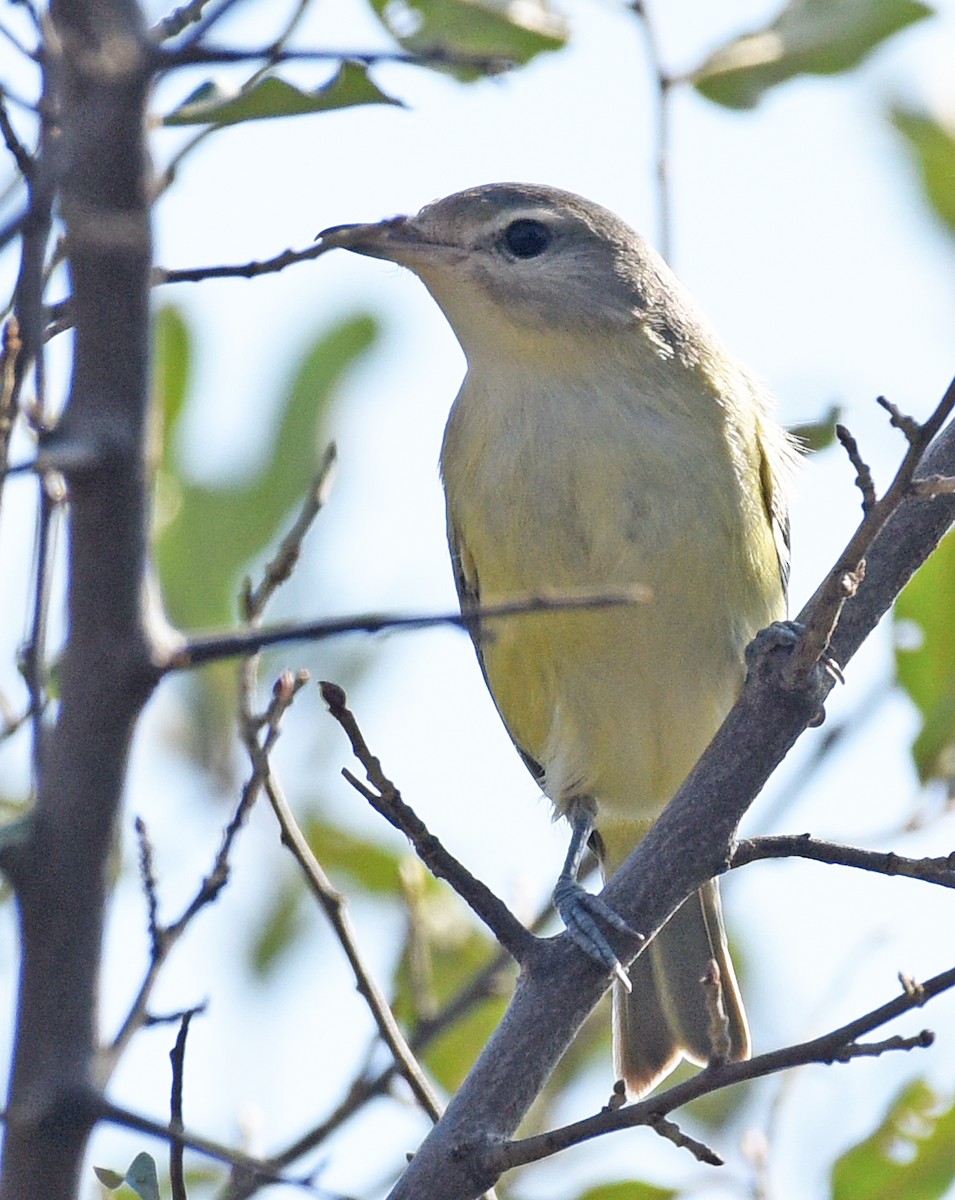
581 911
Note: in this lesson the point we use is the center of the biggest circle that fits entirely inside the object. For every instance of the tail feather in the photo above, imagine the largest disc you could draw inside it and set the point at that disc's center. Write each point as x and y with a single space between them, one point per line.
666 1016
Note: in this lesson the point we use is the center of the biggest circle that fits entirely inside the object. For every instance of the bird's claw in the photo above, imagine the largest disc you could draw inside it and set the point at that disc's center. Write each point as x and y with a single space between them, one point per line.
583 913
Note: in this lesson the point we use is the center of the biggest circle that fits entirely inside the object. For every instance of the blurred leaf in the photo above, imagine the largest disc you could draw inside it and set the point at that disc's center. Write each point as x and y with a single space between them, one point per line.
142 1177
910 1155
368 864
212 533
926 670
208 535
281 924
172 363
513 31
109 1179
270 97
373 867
628 1191
818 435
441 956
809 37
933 149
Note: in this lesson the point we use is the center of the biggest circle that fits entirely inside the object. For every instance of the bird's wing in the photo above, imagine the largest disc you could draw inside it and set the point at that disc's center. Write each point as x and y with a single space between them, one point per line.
469 597
774 502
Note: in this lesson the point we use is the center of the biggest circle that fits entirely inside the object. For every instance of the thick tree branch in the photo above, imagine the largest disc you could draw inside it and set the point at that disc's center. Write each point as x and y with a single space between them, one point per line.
96 78
691 842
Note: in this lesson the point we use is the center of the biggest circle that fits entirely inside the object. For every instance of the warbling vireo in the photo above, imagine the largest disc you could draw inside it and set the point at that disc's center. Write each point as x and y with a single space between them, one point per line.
603 439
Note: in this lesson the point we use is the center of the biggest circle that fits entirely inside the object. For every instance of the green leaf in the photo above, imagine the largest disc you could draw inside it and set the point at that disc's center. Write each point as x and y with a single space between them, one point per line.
926 667
492 29
933 149
442 954
212 533
809 37
910 1155
208 535
628 1191
818 435
281 924
271 96
142 1177
172 363
109 1179
369 864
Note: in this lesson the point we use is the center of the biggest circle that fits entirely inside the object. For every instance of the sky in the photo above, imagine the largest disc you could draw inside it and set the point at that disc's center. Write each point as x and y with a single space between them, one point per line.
800 230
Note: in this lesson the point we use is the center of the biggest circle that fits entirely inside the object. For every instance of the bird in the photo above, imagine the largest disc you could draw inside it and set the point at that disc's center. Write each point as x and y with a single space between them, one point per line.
603 440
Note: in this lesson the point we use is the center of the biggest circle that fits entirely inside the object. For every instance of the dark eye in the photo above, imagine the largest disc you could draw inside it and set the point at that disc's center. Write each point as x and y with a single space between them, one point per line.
526 238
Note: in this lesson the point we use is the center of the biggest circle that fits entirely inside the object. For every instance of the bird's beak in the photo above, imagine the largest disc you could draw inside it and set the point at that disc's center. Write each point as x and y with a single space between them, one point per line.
399 240
389 239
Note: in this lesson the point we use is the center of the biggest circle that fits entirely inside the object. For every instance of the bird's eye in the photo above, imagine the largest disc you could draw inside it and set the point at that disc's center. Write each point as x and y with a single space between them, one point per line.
526 238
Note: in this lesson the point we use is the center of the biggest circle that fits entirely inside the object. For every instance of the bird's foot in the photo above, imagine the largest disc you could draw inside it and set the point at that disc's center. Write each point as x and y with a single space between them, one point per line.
583 913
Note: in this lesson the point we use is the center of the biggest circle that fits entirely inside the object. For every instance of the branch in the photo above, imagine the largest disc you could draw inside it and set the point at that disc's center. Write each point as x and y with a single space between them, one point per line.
218 646
839 1046
385 798
823 612
333 905
940 871
691 842
96 77
438 56
664 84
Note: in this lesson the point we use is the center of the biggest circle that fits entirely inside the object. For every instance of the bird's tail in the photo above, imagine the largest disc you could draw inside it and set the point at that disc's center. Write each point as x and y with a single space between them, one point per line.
670 1012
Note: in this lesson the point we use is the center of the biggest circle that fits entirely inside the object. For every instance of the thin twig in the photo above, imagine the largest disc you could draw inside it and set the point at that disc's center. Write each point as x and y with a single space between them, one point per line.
177 1057
673 1133
21 155
940 871
385 798
178 20
101 1109
148 879
218 646
664 85
863 470
838 1046
333 905
279 569
196 53
821 614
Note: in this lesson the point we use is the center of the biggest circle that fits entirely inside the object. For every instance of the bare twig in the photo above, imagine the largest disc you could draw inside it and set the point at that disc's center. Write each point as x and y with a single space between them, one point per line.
178 20
385 798
840 1045
21 156
333 905
673 1133
177 1057
280 568
148 880
863 470
821 614
9 352
664 84
249 270
215 647
100 1109
165 938
939 871
196 53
